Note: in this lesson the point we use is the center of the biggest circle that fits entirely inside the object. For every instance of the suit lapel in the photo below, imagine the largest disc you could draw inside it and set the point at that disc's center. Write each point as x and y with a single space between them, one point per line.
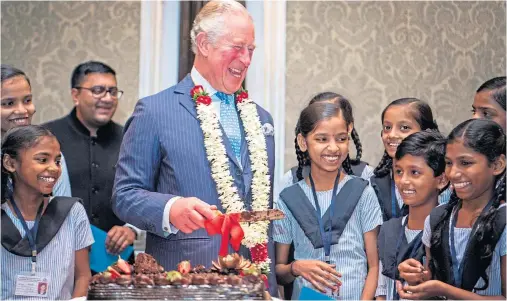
184 87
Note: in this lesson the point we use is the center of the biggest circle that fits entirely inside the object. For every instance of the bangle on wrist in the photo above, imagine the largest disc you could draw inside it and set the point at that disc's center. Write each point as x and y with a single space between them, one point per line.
291 270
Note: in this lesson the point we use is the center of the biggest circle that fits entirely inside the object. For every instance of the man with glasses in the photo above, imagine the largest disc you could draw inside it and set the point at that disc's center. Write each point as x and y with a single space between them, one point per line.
91 142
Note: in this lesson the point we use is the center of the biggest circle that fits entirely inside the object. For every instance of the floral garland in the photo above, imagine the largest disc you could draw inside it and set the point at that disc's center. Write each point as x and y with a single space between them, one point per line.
256 234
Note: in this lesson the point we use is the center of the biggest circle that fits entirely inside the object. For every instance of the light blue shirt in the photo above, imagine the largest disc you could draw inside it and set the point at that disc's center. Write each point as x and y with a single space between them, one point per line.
349 254
461 237
57 259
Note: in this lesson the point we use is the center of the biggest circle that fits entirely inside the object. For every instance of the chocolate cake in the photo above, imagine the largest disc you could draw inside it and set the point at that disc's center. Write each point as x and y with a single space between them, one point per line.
231 278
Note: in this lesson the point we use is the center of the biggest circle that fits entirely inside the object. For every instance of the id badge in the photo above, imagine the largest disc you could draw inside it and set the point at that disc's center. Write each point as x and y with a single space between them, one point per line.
32 285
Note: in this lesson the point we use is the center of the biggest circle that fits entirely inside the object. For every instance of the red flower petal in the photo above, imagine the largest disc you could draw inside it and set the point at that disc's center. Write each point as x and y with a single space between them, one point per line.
259 252
196 90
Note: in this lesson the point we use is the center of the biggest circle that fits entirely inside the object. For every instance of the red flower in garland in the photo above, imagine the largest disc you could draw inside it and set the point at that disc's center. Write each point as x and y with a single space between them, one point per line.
259 252
200 96
241 94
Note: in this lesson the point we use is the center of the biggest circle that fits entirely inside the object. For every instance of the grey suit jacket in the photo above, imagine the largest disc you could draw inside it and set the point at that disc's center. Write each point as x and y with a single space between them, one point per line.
162 156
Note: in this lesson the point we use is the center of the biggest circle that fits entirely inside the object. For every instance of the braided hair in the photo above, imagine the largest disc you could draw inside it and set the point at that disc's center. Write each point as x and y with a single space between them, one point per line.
487 138
346 109
308 120
422 114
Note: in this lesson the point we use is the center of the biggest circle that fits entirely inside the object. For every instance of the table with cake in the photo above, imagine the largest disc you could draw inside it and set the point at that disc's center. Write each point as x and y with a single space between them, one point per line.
230 277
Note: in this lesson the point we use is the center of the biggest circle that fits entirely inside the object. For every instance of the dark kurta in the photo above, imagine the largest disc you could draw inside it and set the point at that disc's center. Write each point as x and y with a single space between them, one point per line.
91 163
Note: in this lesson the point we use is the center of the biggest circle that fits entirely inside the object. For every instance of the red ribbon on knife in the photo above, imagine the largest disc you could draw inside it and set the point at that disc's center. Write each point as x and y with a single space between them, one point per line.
227 225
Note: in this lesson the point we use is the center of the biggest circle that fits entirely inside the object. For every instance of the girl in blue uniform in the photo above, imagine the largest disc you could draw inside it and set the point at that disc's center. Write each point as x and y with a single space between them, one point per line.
332 217
465 239
45 240
419 174
352 166
400 118
18 109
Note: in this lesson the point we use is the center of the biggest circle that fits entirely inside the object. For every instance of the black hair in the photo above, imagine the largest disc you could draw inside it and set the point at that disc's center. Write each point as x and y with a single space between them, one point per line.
421 113
8 71
307 122
497 85
487 138
14 141
346 109
429 145
82 70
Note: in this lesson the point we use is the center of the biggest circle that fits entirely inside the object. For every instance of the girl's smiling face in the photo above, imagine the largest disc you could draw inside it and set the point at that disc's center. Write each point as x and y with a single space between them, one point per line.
37 168
398 123
17 105
471 174
327 144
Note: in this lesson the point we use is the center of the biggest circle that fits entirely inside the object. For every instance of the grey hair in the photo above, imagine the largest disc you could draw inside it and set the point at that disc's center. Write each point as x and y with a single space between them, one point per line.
211 20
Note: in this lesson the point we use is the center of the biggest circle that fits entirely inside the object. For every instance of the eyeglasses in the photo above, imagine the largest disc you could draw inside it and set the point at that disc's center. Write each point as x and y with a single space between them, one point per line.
101 91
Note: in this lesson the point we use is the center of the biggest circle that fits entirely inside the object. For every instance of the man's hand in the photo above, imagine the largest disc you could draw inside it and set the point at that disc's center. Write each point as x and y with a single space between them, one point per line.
118 238
189 214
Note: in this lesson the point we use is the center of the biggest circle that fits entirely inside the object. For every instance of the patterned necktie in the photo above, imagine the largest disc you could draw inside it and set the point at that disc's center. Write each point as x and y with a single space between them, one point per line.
230 122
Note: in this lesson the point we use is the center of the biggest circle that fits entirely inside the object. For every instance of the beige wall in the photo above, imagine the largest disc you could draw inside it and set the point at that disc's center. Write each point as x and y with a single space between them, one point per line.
48 39
375 52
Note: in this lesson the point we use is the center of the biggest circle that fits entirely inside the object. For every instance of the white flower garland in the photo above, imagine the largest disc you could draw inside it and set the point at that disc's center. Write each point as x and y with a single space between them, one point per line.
255 233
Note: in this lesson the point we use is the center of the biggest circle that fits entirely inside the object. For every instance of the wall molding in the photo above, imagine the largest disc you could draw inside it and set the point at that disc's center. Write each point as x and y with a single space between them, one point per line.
159 41
266 75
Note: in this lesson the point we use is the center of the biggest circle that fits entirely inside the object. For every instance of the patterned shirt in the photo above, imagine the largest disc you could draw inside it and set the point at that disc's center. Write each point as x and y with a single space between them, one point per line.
461 236
56 259
348 254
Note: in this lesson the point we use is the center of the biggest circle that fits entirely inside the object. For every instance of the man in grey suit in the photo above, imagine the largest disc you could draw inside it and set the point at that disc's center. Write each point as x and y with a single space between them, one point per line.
164 182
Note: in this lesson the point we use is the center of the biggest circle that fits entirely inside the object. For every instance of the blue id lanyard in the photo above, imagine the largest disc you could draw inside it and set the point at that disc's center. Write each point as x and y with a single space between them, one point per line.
457 268
326 236
30 234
